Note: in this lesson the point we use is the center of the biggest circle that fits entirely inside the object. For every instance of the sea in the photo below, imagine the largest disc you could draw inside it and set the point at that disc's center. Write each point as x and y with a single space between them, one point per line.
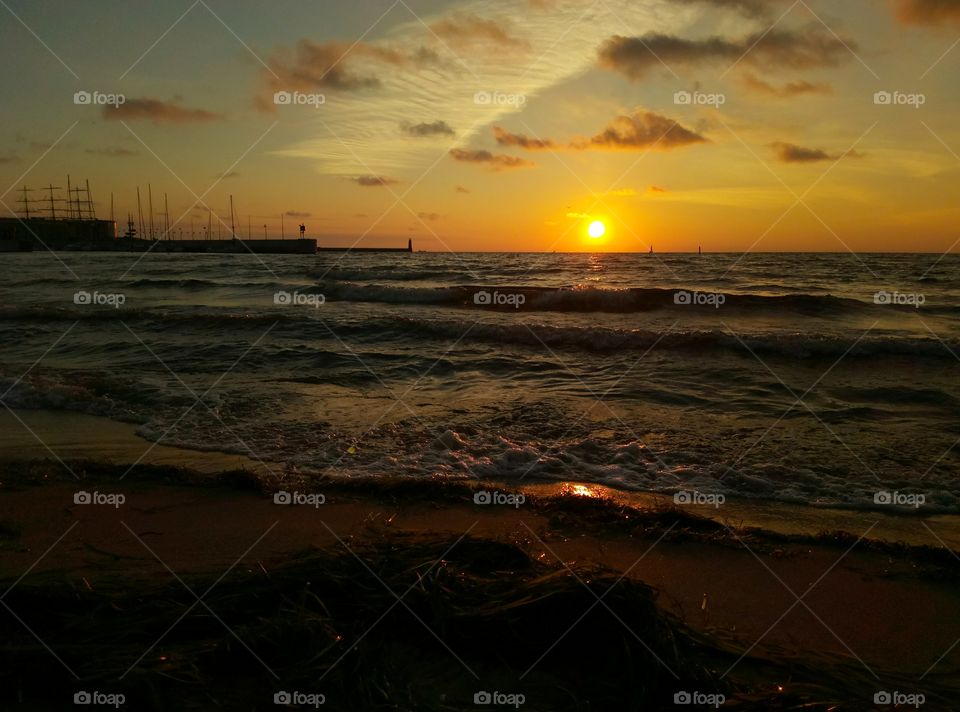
823 380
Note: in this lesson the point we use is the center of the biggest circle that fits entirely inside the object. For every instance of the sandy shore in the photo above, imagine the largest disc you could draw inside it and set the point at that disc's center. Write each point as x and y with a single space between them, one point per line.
775 604
47 434
884 609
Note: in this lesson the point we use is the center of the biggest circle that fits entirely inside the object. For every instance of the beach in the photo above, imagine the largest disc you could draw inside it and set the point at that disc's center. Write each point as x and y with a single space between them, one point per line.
737 588
480 356
401 496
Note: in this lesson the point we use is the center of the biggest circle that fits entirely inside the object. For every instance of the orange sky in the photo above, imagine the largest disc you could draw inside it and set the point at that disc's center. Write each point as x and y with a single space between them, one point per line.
505 125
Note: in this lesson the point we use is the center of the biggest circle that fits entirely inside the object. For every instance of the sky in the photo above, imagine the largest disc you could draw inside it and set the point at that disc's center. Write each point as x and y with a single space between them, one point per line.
476 125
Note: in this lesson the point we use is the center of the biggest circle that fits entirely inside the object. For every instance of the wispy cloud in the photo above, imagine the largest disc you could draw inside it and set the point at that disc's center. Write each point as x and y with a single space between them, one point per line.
373 93
794 88
374 181
462 30
494 161
791 153
159 112
424 129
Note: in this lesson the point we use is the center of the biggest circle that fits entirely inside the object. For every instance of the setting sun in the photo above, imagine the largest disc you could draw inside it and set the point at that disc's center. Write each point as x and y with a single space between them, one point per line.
596 229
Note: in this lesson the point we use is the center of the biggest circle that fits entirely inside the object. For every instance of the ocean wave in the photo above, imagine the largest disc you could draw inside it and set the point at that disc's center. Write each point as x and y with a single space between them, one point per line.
603 339
587 299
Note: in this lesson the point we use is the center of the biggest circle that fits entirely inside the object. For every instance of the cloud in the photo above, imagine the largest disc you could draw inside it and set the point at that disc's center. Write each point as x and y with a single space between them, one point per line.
791 153
656 189
794 88
927 12
432 217
461 189
461 30
297 214
505 138
111 152
159 112
8 159
635 56
639 130
750 8
225 176
624 193
314 66
421 130
495 161
374 181
366 120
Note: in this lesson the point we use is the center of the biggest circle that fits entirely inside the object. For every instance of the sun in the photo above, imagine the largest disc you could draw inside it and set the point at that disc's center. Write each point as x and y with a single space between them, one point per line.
596 229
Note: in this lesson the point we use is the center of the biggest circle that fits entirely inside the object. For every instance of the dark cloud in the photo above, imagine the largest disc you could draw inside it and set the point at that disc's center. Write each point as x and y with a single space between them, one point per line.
318 67
495 161
297 214
505 138
927 12
461 189
656 189
791 153
750 8
639 130
111 152
432 217
460 30
373 181
225 176
159 112
422 130
635 56
794 88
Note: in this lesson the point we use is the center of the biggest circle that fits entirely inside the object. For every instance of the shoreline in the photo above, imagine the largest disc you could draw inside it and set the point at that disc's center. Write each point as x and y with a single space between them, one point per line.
76 436
731 590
